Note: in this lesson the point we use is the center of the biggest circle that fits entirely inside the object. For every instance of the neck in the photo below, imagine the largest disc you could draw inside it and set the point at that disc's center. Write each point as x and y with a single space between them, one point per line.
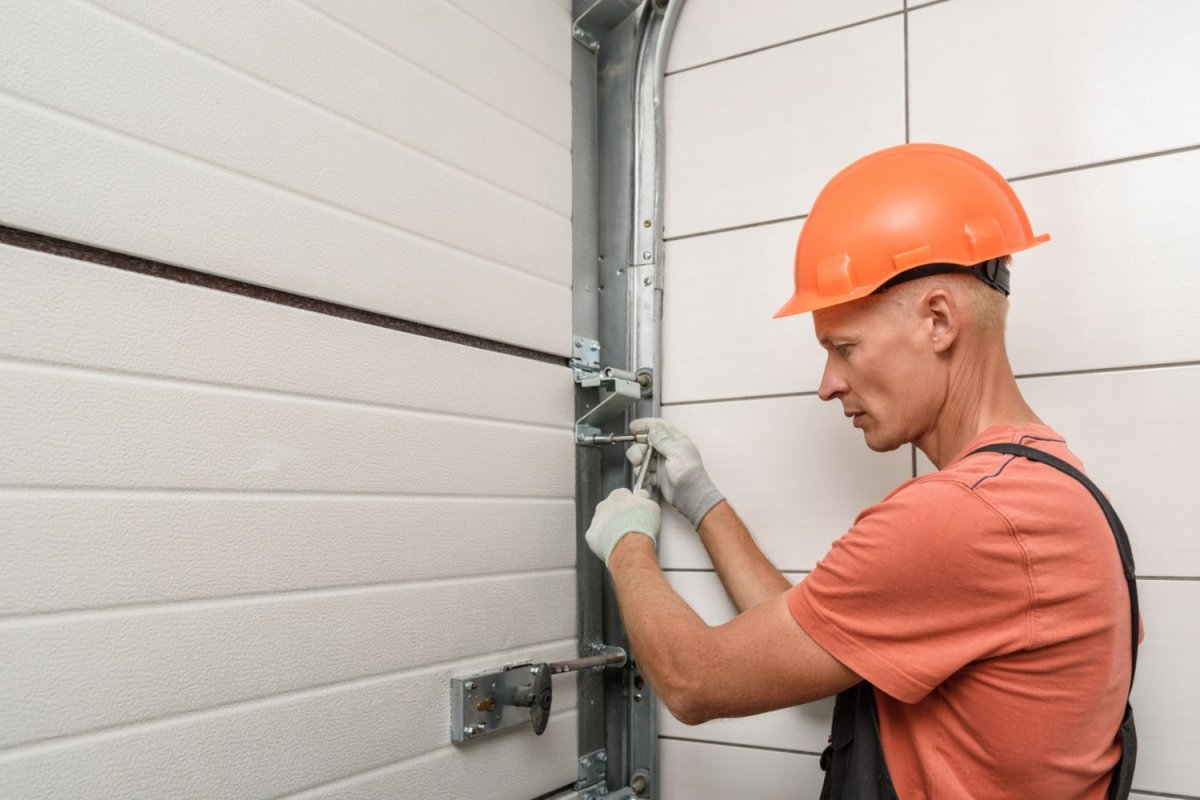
981 392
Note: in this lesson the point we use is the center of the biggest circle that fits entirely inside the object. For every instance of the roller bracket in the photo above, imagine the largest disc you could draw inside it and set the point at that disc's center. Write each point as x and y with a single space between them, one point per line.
618 388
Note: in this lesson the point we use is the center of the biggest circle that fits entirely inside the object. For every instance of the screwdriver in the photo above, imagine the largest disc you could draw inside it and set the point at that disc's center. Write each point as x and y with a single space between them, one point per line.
613 438
645 469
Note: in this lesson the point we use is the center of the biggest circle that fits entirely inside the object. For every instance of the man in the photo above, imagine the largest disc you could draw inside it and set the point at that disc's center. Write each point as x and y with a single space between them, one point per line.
984 603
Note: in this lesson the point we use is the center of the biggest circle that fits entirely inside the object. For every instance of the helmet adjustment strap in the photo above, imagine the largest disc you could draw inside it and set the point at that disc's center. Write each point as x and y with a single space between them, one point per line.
993 272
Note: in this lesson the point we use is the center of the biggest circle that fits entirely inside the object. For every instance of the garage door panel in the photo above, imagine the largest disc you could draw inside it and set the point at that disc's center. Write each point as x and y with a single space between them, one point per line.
136 83
286 743
274 40
70 673
73 170
137 324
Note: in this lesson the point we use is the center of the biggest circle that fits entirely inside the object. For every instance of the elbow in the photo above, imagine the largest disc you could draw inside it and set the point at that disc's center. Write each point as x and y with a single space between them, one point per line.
686 694
688 708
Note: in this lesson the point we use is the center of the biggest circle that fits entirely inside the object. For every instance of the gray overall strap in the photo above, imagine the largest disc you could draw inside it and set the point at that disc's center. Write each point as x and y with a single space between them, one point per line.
1122 778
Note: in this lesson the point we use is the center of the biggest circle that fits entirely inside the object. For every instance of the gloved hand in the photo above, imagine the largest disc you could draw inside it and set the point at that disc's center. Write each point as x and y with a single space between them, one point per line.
620 513
678 472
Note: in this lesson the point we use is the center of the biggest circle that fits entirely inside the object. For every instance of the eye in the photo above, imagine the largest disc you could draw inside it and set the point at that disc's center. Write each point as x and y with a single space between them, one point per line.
842 350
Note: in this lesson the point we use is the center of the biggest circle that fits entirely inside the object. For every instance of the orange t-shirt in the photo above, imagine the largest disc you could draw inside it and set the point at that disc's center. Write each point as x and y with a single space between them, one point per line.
987 605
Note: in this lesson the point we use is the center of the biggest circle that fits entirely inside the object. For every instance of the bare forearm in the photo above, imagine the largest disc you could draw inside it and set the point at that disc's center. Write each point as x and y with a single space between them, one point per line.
665 634
747 574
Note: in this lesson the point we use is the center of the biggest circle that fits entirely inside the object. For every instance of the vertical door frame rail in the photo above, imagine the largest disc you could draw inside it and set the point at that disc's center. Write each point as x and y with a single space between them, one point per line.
618 71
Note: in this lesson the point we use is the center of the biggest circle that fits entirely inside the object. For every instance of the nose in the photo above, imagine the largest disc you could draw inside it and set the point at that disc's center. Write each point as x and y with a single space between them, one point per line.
833 384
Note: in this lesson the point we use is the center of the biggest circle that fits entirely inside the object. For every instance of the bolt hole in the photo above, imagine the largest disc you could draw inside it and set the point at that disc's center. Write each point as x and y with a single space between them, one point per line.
638 683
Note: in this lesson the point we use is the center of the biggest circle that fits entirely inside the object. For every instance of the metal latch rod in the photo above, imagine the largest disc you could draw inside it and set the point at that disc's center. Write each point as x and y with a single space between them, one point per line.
609 657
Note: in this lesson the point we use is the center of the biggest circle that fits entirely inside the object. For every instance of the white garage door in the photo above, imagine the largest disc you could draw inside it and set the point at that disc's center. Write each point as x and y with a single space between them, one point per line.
294 420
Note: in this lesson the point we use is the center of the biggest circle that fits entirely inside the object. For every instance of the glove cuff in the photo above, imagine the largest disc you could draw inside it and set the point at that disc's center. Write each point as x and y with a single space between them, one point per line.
695 495
643 521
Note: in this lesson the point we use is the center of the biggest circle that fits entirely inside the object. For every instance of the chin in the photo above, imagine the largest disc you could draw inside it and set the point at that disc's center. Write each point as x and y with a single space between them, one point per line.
882 444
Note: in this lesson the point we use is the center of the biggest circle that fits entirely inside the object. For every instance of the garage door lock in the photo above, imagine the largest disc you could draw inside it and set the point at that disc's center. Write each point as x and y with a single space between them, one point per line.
489 702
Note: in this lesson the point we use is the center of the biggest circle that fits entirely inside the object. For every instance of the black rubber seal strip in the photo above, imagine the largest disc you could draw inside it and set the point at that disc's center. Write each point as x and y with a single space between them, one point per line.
42 243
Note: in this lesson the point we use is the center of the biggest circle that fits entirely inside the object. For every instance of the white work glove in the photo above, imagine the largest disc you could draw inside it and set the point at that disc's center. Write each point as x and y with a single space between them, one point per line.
678 471
620 513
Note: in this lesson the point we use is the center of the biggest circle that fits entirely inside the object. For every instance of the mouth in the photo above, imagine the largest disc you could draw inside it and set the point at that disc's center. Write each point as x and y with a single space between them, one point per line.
857 417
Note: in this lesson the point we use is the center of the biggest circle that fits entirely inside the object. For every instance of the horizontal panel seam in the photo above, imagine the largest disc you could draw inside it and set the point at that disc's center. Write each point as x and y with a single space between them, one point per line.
224 389
276 493
733 228
1031 176
9 622
1168 365
740 745
566 76
296 97
39 108
76 251
395 54
176 494
34 748
402 764
776 45
191 604
1107 163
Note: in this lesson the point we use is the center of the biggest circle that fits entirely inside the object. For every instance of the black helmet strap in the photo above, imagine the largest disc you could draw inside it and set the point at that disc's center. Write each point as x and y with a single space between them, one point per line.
993 272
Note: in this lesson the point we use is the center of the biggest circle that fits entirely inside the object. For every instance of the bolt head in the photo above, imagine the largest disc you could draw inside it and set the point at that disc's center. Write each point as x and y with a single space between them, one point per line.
602 756
470 685
637 698
579 343
646 255
586 762
645 281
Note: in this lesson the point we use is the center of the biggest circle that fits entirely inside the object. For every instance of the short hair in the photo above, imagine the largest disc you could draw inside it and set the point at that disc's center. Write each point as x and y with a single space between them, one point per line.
988 306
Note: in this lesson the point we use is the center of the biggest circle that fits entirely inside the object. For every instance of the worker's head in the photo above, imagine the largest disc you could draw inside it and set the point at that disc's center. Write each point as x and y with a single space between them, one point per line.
897 359
904 262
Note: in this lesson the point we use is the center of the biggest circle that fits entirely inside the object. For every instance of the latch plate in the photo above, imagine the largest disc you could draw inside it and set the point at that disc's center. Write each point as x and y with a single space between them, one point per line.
482 704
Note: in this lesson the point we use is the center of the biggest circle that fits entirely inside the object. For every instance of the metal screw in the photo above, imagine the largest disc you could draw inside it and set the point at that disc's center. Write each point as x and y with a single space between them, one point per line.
646 255
579 343
646 223
468 731
585 762
637 698
595 347
470 686
602 756
645 281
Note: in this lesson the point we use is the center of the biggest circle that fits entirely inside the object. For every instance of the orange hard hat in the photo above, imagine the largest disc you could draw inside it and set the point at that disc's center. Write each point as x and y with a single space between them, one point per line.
916 209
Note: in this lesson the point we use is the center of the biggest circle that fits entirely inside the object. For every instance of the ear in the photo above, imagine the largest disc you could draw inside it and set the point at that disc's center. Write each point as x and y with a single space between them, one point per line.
943 317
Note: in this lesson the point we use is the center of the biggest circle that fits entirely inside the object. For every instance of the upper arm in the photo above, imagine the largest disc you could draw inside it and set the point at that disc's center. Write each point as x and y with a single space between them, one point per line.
760 661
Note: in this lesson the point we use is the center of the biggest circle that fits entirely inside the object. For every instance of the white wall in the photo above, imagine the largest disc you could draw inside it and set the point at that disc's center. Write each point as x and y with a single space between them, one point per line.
1093 110
246 546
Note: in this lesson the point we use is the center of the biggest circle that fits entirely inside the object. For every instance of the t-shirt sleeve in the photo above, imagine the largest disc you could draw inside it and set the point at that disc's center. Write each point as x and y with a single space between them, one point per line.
924 583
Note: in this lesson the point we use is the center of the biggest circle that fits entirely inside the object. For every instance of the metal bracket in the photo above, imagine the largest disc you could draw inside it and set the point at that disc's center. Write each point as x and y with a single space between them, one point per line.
488 702
618 389
593 768
598 19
